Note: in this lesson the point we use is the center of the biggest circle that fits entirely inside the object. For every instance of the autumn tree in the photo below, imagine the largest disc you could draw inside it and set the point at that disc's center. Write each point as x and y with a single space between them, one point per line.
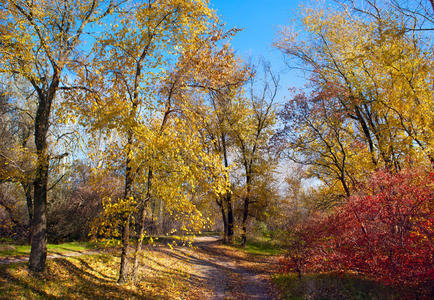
317 135
222 77
370 99
18 153
252 135
39 40
137 89
362 127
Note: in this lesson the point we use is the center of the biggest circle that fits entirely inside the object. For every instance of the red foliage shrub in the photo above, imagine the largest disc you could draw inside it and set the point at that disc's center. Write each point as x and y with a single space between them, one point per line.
384 232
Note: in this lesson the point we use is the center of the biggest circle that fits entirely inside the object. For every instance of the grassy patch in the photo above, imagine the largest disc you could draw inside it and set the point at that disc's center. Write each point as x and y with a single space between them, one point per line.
7 249
162 275
333 286
262 246
208 233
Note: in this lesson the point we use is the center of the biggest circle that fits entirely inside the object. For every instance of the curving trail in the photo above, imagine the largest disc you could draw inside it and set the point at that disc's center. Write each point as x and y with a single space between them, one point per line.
231 273
211 270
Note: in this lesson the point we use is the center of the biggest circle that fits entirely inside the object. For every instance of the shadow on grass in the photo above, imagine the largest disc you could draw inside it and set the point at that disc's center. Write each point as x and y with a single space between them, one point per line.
88 267
14 285
63 280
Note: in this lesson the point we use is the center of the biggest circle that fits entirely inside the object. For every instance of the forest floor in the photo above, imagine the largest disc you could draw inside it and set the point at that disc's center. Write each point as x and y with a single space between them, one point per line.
207 270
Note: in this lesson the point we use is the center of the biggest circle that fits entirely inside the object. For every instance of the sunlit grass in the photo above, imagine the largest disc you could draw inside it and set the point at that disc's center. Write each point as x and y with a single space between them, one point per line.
162 275
261 246
7 249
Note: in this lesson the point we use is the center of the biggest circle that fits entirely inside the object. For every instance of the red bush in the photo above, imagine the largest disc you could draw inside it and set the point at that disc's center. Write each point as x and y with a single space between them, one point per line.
384 232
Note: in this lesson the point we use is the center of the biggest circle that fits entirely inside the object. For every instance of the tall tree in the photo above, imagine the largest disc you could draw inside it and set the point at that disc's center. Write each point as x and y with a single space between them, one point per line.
39 41
221 109
369 75
136 60
252 135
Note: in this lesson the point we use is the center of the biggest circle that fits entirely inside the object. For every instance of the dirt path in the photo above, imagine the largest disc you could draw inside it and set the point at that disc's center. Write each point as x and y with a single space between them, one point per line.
231 273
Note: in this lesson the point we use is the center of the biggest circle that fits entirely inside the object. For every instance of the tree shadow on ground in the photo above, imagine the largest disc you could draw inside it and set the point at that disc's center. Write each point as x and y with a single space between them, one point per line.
14 282
167 269
77 283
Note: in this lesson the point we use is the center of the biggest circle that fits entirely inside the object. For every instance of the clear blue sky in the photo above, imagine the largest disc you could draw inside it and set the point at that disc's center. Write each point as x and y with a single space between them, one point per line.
261 20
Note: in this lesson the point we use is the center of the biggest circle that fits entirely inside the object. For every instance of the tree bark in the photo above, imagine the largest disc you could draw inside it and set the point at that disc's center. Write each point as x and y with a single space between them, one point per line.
367 134
38 252
230 219
225 222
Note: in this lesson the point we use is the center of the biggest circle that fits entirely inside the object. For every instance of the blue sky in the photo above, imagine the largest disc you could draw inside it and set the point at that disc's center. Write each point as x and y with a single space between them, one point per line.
261 20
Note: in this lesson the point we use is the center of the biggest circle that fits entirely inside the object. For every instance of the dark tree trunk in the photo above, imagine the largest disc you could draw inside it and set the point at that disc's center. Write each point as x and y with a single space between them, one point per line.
367 134
345 186
38 252
139 242
225 222
230 219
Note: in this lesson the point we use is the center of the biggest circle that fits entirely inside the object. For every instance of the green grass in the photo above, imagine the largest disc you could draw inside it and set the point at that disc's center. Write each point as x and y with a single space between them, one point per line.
262 246
7 249
208 233
335 286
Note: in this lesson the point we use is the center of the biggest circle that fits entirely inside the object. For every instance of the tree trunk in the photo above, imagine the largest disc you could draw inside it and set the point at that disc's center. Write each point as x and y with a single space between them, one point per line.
225 222
38 252
344 184
366 132
230 219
